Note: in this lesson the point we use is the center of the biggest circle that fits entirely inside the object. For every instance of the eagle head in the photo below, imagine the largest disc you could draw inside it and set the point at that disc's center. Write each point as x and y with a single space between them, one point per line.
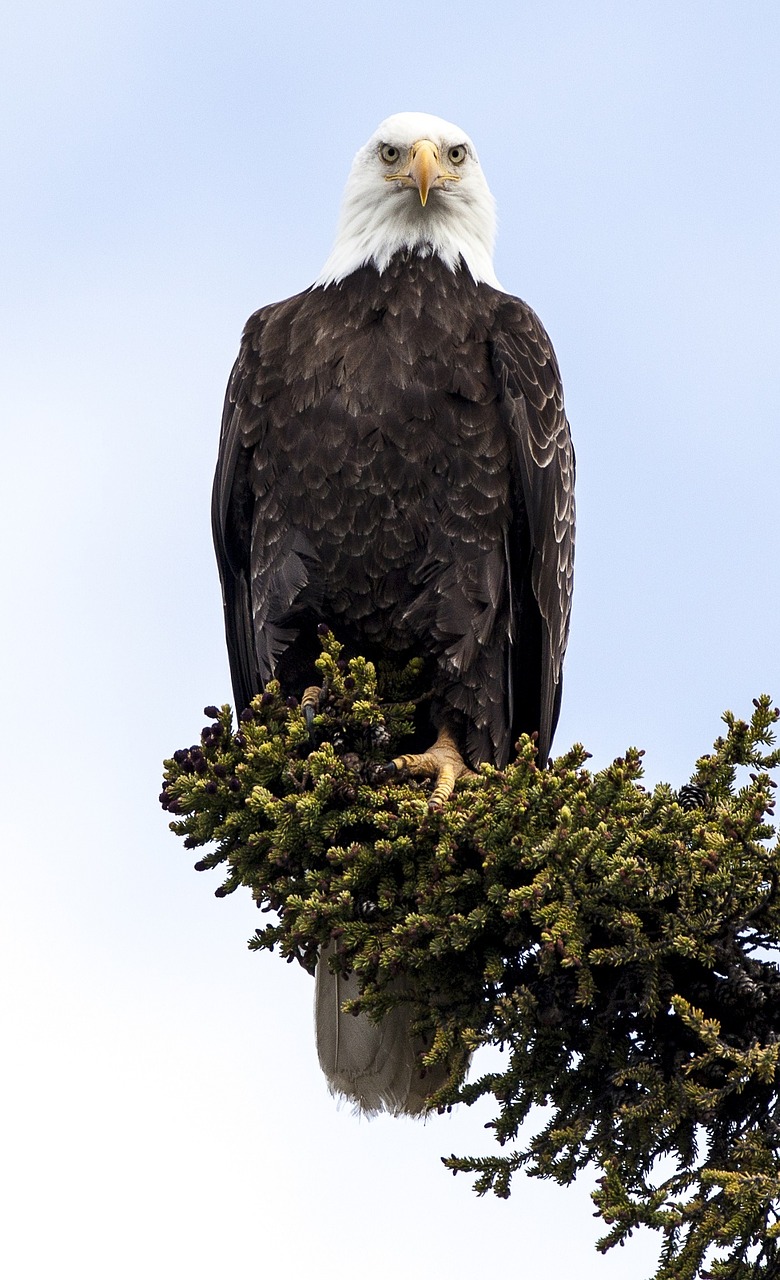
416 184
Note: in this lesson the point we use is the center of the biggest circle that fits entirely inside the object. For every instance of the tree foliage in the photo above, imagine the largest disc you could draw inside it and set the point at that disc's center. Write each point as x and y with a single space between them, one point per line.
620 944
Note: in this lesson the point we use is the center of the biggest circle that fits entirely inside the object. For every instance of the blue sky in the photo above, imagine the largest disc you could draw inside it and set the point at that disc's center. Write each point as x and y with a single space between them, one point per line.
169 168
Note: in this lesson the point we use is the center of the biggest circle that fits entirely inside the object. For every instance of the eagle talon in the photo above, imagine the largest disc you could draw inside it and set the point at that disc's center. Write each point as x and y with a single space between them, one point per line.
310 704
443 763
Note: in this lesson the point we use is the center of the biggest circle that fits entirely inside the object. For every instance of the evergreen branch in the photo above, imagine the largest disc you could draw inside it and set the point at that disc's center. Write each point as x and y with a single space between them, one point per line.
621 945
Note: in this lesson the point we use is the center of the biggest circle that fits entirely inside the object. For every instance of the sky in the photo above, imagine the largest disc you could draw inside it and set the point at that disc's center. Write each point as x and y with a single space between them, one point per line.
167 169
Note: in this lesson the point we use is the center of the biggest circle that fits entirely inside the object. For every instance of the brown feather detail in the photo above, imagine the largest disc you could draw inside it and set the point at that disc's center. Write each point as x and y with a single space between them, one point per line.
395 461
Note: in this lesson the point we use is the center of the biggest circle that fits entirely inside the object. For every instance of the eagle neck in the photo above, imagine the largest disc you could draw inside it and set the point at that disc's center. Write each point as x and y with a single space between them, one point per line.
364 240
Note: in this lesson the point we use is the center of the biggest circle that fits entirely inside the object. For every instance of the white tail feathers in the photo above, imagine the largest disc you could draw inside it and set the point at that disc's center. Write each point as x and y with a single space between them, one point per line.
374 1065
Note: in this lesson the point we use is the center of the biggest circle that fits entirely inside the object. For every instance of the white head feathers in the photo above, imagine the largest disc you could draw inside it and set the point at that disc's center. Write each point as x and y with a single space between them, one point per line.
385 209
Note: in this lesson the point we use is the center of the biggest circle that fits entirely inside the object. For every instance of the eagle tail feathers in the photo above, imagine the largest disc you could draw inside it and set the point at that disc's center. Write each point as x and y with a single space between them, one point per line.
373 1065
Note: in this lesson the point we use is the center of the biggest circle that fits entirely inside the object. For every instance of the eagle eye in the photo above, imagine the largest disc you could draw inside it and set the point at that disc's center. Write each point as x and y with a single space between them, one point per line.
389 153
456 155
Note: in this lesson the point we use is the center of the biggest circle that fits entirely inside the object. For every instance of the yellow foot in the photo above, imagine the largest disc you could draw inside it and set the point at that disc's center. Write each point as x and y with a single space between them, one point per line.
310 703
443 762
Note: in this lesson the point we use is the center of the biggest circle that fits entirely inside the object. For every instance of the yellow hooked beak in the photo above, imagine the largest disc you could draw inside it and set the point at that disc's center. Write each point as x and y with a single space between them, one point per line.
425 169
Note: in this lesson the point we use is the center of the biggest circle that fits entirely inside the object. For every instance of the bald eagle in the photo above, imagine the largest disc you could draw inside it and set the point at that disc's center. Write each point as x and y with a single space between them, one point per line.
395 462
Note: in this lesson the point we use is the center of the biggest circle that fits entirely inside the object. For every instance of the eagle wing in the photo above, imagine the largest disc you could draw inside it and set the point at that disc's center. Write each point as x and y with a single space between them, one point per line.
231 520
252 569
264 562
540 549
